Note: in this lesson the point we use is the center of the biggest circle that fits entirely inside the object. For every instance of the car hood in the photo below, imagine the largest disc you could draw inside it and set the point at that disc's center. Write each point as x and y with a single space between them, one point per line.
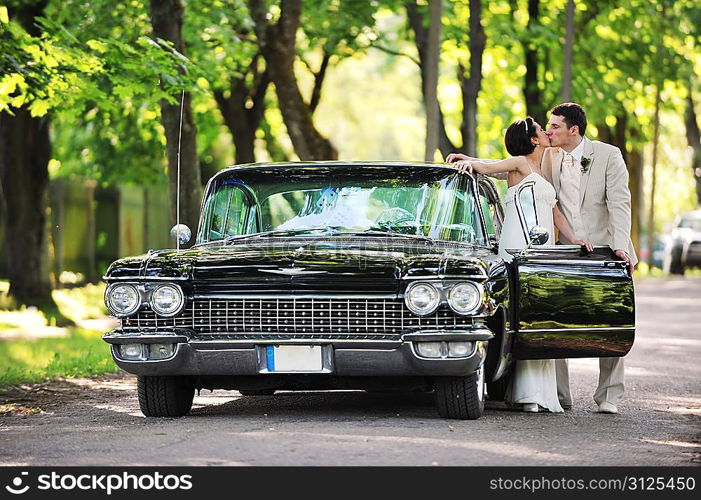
309 265
686 234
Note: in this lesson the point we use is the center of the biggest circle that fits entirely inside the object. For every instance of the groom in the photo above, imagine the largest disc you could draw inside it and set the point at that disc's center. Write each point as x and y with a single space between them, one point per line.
591 182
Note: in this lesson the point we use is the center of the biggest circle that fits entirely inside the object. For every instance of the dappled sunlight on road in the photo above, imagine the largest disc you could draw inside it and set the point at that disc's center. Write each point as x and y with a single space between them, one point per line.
117 384
120 409
639 371
508 450
681 444
202 401
688 405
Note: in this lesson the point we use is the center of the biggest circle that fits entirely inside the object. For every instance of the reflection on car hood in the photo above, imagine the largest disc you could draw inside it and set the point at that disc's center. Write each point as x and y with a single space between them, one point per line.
310 265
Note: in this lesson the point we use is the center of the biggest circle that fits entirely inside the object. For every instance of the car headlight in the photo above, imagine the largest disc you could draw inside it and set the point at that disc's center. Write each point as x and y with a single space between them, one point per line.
465 297
167 300
122 299
422 298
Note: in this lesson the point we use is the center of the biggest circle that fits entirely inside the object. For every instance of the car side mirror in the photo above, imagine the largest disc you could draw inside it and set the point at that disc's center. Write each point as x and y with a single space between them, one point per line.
181 234
538 235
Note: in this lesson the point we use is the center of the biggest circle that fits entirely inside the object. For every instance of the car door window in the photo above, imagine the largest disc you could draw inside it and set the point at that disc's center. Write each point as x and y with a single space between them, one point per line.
492 218
226 212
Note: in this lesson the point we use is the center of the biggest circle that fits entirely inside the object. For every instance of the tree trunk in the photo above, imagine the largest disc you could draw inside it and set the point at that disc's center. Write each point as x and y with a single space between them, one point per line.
272 145
167 23
433 54
635 184
693 136
25 151
622 136
57 195
566 90
243 110
90 186
655 144
146 219
535 106
472 85
277 44
319 77
445 145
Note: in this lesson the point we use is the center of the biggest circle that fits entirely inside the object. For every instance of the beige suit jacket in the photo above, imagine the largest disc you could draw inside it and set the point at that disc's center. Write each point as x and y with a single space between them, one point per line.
604 197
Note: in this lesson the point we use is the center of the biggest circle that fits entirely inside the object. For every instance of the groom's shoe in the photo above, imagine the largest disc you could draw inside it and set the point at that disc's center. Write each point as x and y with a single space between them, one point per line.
530 407
607 407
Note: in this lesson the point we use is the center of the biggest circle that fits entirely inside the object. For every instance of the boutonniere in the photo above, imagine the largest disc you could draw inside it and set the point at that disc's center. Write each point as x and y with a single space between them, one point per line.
586 163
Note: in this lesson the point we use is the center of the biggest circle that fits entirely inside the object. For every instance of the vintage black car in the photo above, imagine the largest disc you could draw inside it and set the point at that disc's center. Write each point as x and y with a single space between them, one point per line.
363 275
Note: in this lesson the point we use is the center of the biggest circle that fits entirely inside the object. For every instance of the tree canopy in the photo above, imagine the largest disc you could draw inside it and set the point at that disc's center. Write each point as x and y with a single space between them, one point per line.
321 79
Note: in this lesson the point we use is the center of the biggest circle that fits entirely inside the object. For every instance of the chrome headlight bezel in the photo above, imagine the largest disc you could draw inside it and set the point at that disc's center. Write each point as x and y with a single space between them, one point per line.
109 294
170 312
475 305
433 304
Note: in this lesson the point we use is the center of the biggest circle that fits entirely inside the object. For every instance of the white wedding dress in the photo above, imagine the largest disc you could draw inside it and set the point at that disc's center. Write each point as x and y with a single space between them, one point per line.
533 381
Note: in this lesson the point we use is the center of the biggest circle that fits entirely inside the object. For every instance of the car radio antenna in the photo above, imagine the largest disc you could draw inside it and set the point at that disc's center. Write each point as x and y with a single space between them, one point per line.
177 193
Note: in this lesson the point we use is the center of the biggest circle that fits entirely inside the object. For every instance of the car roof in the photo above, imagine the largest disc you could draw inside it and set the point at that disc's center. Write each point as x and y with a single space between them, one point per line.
296 167
252 168
335 164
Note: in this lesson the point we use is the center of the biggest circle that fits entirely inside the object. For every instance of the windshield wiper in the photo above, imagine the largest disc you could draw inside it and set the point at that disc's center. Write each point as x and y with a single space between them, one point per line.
282 233
325 231
372 232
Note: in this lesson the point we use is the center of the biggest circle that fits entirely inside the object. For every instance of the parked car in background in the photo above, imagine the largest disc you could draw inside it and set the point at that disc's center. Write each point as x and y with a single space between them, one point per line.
366 275
683 247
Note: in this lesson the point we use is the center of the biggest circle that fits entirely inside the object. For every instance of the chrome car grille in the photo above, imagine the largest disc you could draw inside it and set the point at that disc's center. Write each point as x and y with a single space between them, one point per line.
299 318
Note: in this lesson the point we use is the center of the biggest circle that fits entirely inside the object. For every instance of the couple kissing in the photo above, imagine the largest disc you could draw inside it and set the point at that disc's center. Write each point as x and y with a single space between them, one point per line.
581 188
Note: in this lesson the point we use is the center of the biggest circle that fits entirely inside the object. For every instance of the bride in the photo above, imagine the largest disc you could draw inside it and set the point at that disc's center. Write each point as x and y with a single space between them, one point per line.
533 384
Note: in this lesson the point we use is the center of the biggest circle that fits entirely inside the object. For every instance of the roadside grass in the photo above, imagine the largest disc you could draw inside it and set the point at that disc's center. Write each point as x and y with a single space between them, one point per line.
645 271
85 302
81 353
33 349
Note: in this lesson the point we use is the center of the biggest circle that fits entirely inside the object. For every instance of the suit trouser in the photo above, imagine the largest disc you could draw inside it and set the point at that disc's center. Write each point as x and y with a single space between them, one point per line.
610 389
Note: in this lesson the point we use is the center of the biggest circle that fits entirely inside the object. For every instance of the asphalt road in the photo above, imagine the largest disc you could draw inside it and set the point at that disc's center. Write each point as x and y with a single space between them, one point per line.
97 422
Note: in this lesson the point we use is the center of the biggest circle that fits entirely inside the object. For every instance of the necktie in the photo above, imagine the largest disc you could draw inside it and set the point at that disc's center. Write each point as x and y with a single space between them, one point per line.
569 191
568 162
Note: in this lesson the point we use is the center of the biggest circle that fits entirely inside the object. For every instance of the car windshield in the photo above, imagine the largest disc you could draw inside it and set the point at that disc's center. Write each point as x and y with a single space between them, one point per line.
694 224
423 200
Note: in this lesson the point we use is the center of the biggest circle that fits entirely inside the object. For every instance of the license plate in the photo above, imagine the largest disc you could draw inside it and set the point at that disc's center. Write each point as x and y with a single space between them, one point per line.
294 358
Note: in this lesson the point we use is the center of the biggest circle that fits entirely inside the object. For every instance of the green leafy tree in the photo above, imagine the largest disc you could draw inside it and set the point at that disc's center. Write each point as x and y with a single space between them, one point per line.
47 69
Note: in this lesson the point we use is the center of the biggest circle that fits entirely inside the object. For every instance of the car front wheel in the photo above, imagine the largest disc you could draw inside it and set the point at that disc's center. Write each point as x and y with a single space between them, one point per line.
165 396
461 397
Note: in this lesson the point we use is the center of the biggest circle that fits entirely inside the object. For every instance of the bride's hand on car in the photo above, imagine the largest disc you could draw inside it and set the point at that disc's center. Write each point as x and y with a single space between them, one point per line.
584 243
463 166
453 157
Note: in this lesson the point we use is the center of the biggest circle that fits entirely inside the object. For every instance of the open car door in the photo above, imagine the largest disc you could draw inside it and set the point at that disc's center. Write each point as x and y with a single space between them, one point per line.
568 302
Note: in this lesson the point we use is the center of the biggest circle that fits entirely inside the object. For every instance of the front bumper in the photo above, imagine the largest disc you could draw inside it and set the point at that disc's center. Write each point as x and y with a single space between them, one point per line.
341 358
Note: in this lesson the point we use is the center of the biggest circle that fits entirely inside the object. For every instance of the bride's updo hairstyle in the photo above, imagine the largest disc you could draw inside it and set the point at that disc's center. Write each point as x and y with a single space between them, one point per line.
518 137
